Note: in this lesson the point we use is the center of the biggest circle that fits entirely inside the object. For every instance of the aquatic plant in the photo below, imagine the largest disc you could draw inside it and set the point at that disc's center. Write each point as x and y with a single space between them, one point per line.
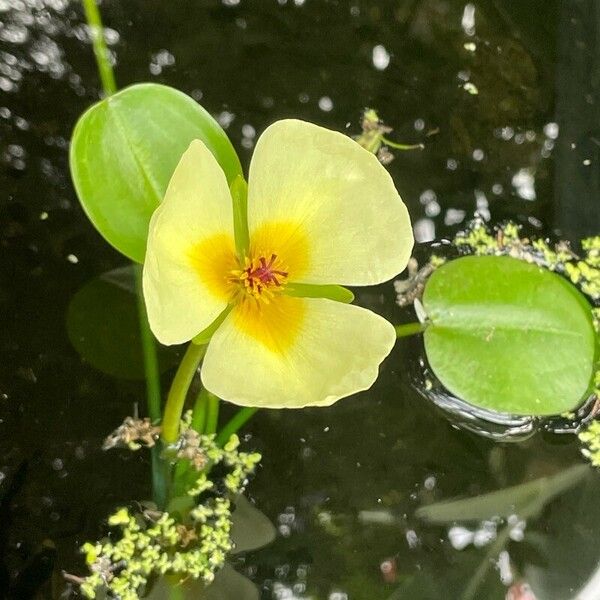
250 274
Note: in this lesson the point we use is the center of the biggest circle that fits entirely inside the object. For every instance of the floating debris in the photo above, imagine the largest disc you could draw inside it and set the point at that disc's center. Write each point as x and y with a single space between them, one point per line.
134 434
373 138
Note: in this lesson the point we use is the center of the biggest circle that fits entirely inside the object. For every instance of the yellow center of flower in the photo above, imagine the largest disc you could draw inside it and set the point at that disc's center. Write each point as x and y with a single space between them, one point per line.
261 278
278 253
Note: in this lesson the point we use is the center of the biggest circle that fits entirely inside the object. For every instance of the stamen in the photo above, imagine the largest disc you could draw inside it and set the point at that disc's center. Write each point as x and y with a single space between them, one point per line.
260 278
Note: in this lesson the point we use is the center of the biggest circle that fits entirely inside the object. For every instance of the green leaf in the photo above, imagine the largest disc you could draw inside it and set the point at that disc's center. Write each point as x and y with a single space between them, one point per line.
250 528
124 151
508 336
102 325
526 499
308 290
228 585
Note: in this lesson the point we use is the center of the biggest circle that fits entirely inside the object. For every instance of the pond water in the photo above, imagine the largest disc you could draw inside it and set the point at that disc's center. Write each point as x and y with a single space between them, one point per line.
505 96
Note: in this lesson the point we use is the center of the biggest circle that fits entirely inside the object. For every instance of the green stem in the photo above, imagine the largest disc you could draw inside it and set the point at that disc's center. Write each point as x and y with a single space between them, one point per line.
235 424
149 352
199 417
153 396
402 146
410 329
212 414
178 392
200 411
486 564
94 21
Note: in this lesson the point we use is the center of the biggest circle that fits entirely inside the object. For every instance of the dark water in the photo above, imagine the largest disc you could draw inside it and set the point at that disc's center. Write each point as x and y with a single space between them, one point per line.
342 484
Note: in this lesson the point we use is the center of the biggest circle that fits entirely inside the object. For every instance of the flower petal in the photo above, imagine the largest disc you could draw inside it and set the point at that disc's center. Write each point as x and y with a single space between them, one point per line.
341 199
190 249
299 352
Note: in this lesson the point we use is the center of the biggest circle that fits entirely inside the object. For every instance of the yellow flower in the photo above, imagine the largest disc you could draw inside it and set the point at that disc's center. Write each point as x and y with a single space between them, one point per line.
321 210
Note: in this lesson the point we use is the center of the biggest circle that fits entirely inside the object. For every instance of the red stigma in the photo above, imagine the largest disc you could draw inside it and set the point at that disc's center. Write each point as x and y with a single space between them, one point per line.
264 274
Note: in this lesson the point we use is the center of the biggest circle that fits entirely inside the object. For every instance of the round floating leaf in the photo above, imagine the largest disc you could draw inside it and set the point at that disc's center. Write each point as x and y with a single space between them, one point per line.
124 151
509 336
103 326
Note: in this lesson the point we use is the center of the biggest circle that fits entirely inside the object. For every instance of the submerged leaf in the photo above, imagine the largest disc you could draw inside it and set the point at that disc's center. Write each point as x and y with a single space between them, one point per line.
509 336
125 149
103 326
250 529
228 585
526 499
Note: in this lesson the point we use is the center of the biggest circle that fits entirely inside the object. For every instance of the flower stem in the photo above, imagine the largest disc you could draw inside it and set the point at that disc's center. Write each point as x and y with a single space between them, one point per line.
94 21
199 413
149 352
153 396
178 392
212 414
234 424
410 329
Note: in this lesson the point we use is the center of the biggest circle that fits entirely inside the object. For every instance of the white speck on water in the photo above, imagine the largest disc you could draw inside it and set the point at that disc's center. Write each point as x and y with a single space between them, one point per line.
471 88
460 537
482 205
381 57
432 209
424 230
587 162
478 154
248 131
225 119
412 539
551 130
419 125
503 564
43 216
470 47
486 533
326 103
72 259
454 216
468 19
524 183
57 464
427 196
162 59
430 483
